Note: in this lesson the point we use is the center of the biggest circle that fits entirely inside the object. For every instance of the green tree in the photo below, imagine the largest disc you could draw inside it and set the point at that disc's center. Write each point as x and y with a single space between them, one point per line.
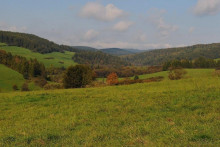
77 76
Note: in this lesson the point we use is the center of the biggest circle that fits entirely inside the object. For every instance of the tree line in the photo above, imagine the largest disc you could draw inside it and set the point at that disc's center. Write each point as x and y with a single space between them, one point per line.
28 68
200 62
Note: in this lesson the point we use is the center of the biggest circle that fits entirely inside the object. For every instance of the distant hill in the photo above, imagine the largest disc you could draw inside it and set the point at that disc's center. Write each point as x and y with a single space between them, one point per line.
157 57
85 48
33 42
98 59
120 52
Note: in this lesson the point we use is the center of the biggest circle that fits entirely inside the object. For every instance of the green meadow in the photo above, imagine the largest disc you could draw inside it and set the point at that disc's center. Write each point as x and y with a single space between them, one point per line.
183 112
55 59
9 77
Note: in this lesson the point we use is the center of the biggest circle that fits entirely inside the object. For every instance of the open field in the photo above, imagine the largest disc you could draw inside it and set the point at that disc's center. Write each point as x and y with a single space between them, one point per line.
10 77
168 113
56 59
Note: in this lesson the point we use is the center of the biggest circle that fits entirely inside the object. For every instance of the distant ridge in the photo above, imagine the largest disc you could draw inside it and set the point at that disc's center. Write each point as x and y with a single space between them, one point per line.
159 56
120 52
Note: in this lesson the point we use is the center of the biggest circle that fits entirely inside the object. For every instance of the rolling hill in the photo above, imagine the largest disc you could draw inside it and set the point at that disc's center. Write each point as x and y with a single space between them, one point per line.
120 52
10 77
157 57
55 59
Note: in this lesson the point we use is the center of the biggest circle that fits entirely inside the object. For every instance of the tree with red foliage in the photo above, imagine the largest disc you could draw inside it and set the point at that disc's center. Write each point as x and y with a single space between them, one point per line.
112 79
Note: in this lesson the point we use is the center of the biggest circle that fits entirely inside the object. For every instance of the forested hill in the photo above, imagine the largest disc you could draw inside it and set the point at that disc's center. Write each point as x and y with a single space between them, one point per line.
157 57
33 42
120 52
98 59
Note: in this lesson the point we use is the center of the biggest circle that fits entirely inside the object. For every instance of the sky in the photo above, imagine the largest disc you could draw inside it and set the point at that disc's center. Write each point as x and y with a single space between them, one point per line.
133 24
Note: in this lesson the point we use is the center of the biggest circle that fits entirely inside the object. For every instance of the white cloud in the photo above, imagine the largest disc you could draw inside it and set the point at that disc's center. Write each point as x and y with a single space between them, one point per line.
97 11
164 28
6 27
191 29
141 37
207 7
122 26
90 35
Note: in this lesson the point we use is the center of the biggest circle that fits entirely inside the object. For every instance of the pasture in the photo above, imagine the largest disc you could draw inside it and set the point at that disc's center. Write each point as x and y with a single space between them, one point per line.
168 113
55 59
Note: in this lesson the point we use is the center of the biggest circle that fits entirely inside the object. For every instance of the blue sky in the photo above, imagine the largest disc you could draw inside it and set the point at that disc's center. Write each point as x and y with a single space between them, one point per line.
141 24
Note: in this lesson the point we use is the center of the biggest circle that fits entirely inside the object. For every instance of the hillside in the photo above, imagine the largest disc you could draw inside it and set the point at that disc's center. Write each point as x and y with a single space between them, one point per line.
157 57
120 52
168 113
56 59
98 59
33 42
84 48
10 77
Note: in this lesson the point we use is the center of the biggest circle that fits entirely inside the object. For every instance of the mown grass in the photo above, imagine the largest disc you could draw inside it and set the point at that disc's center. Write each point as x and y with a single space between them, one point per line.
9 77
55 59
168 113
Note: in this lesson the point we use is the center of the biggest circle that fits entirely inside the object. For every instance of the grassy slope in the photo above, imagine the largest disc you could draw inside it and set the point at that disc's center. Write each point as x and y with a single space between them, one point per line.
10 77
63 57
169 113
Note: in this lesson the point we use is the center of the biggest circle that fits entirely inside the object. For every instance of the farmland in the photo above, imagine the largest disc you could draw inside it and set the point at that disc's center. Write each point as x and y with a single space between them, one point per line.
55 59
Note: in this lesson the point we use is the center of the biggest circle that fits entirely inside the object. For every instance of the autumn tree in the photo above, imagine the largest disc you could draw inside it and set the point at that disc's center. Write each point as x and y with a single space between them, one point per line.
112 79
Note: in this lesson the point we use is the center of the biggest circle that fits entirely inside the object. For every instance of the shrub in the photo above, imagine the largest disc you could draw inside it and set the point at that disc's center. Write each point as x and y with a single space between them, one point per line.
53 86
217 72
15 87
25 87
176 73
77 76
136 77
40 81
112 79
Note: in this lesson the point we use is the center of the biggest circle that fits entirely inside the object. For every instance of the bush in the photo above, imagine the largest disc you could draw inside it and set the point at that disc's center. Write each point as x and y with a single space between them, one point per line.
15 87
176 73
53 86
112 79
217 72
25 87
40 81
136 77
77 76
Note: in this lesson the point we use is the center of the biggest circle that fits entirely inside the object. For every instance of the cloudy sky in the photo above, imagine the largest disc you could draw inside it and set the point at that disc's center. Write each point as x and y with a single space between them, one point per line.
139 24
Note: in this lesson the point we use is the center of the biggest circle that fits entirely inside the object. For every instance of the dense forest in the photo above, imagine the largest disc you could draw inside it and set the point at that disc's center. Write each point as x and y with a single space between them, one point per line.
33 42
157 57
98 59
200 62
28 68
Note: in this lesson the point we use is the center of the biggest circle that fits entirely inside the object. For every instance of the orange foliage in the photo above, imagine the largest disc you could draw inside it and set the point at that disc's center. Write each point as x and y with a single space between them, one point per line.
112 79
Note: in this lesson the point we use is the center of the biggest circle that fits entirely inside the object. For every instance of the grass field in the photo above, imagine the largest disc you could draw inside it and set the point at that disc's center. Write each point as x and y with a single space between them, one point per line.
9 77
56 59
168 113
2 44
